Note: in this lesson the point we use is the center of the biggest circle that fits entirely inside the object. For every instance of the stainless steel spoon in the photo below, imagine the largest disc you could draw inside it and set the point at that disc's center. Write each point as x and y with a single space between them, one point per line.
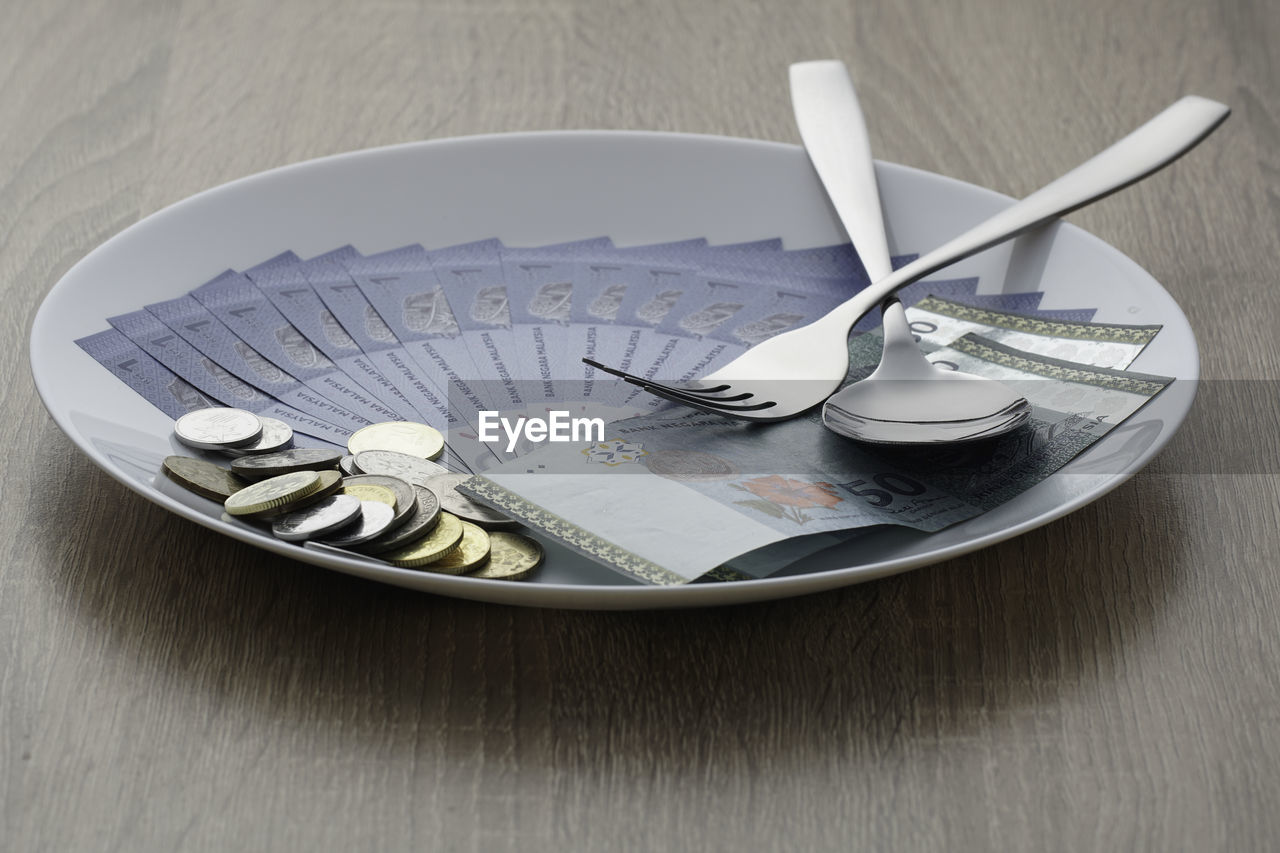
835 136
797 370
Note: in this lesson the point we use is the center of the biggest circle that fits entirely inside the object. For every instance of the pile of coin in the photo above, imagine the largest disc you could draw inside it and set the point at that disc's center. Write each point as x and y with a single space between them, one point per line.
385 499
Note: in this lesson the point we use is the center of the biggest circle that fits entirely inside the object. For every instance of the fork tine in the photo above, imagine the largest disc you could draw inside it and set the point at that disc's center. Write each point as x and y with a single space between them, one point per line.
673 391
611 370
705 404
699 392
649 384
624 375
680 392
684 401
698 398
710 404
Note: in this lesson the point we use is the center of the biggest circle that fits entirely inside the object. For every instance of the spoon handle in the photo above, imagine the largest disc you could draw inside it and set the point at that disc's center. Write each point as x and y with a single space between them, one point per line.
835 136
1157 143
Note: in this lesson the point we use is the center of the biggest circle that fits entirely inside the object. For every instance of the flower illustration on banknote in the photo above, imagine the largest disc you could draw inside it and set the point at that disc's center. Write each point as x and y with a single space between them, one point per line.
787 498
656 308
376 328
704 321
756 331
615 451
429 313
187 396
607 303
300 350
239 390
552 301
490 306
265 369
334 332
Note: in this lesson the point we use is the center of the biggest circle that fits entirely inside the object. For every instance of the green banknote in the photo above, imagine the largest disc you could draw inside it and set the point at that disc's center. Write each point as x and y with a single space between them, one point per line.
937 322
670 496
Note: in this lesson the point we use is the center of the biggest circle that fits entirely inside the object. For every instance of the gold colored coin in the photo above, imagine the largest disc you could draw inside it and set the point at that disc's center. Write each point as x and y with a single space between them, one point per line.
443 539
472 550
408 437
406 499
269 497
204 478
330 484
371 492
512 557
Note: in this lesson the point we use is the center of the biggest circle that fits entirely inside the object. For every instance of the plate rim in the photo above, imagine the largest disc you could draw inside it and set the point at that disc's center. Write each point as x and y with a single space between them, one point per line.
592 596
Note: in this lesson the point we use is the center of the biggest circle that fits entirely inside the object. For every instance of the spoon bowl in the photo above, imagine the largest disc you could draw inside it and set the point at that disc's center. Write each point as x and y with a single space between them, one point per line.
907 399
797 370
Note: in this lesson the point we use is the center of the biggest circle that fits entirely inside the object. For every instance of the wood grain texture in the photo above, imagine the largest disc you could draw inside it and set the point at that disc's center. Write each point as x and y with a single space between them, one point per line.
1109 681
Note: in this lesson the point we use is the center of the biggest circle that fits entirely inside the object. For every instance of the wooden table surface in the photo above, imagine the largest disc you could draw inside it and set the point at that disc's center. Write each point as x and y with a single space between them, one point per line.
1110 681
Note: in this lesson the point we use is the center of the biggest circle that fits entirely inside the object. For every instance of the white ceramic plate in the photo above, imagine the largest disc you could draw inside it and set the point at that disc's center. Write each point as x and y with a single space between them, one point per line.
530 189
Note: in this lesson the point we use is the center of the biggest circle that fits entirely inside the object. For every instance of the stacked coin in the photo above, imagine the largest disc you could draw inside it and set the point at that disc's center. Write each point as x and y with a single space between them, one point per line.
234 432
385 500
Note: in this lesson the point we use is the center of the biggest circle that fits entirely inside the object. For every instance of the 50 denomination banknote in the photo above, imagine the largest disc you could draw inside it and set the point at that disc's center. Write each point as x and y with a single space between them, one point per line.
670 496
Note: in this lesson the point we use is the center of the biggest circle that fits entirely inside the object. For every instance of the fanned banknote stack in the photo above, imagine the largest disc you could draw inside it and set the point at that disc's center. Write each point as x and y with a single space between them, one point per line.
485 342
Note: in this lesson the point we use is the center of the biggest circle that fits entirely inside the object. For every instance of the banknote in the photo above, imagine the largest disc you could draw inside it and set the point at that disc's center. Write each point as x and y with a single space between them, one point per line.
691 257
623 339
342 296
281 280
691 252
173 395
723 287
604 276
644 335
444 334
671 495
937 322
212 379
154 382
601 296
769 311
473 283
327 398
736 294
681 355
599 287
402 287
248 313
540 282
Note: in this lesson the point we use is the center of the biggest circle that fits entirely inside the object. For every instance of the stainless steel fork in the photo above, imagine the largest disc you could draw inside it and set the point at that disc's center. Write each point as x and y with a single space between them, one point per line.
795 371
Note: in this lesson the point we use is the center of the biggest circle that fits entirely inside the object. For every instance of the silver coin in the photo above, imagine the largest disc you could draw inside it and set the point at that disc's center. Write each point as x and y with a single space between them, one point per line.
326 516
286 461
374 519
422 522
347 465
393 463
451 500
406 497
217 428
276 435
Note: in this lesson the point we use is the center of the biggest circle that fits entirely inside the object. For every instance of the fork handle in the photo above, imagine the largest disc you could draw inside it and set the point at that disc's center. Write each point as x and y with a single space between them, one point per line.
1152 146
